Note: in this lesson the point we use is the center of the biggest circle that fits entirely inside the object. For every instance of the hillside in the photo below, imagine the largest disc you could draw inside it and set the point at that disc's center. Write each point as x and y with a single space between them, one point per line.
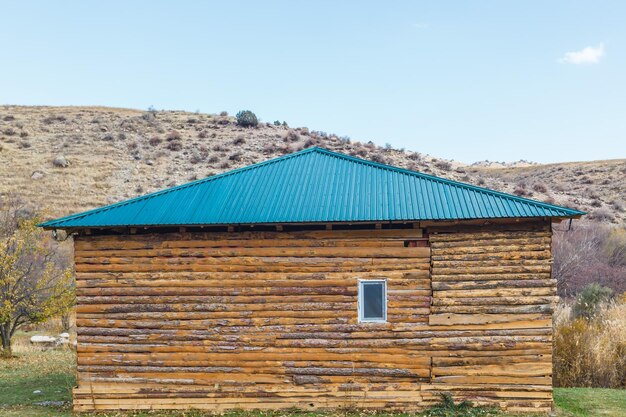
69 159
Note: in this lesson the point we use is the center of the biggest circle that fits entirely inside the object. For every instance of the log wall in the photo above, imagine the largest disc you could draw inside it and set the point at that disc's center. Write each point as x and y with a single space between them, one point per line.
249 320
492 305
264 320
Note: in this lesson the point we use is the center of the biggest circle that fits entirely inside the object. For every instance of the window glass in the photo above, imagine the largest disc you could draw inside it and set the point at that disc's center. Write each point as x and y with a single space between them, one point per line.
372 301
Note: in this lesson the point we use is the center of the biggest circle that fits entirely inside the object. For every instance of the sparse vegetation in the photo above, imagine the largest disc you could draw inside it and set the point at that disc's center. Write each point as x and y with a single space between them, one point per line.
175 145
590 346
444 165
100 163
173 136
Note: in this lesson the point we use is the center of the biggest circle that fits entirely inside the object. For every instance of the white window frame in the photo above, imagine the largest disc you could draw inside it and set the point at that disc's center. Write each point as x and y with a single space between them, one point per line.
360 304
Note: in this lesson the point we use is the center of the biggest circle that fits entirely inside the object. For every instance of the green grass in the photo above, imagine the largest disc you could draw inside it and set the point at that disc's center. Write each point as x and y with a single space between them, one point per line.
52 373
590 402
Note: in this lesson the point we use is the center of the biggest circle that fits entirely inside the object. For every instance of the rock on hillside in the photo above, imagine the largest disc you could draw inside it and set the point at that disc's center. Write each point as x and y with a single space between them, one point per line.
68 159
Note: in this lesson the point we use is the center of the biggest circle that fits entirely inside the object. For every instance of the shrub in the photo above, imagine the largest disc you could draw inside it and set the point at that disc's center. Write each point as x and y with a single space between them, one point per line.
378 158
223 113
292 136
540 188
239 140
9 131
173 135
154 140
521 191
602 214
60 162
51 119
23 134
203 134
615 247
246 118
444 165
195 158
276 122
591 353
310 142
589 300
175 145
236 156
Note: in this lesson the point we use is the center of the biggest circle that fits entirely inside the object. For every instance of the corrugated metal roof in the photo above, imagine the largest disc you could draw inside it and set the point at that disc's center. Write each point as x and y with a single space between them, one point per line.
313 185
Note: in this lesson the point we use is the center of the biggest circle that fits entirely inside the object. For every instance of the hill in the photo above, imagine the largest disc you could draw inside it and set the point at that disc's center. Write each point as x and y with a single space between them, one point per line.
69 159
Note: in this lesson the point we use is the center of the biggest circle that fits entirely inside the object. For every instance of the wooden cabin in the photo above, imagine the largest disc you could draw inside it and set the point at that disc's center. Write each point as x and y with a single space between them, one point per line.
315 280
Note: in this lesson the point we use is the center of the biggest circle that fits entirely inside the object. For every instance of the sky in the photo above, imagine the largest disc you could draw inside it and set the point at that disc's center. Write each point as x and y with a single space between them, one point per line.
469 81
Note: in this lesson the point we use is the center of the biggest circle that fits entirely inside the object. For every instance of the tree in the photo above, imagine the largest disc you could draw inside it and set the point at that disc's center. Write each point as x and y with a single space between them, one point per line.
246 118
34 285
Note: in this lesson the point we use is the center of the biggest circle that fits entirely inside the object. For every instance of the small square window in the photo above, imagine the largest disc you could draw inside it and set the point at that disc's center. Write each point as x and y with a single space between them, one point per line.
372 301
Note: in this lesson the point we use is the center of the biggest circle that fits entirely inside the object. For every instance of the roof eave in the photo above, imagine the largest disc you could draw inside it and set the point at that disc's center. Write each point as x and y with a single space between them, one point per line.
48 226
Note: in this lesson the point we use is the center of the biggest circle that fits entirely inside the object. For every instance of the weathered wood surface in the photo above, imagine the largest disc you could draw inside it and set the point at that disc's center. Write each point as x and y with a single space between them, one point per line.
265 320
250 320
499 281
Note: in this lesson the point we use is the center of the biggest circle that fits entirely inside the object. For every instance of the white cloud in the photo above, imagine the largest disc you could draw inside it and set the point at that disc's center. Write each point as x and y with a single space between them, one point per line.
588 55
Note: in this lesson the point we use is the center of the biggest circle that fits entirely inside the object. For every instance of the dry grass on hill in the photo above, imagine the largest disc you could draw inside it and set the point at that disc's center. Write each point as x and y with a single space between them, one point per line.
69 159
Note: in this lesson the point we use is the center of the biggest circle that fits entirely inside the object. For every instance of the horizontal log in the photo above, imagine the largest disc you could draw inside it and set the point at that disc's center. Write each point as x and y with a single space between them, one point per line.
303 252
509 369
191 276
496 292
478 270
83 242
493 301
491 360
487 235
494 309
490 276
501 240
451 319
491 256
485 263
496 284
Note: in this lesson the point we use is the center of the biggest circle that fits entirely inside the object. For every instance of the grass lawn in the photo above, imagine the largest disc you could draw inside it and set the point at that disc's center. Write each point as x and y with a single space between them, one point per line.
52 374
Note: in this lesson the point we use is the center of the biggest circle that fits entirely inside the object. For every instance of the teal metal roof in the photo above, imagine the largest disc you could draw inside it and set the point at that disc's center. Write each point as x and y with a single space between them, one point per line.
313 185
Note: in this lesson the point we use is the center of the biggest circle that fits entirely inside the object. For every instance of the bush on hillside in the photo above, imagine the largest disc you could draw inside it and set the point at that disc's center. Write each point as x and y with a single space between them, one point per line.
246 118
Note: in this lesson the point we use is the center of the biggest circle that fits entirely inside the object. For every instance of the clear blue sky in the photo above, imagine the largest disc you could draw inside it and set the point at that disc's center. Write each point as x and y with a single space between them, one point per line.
538 80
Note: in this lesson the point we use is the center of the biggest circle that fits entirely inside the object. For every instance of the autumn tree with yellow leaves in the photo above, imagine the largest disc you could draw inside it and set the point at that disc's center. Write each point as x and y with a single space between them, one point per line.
34 284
